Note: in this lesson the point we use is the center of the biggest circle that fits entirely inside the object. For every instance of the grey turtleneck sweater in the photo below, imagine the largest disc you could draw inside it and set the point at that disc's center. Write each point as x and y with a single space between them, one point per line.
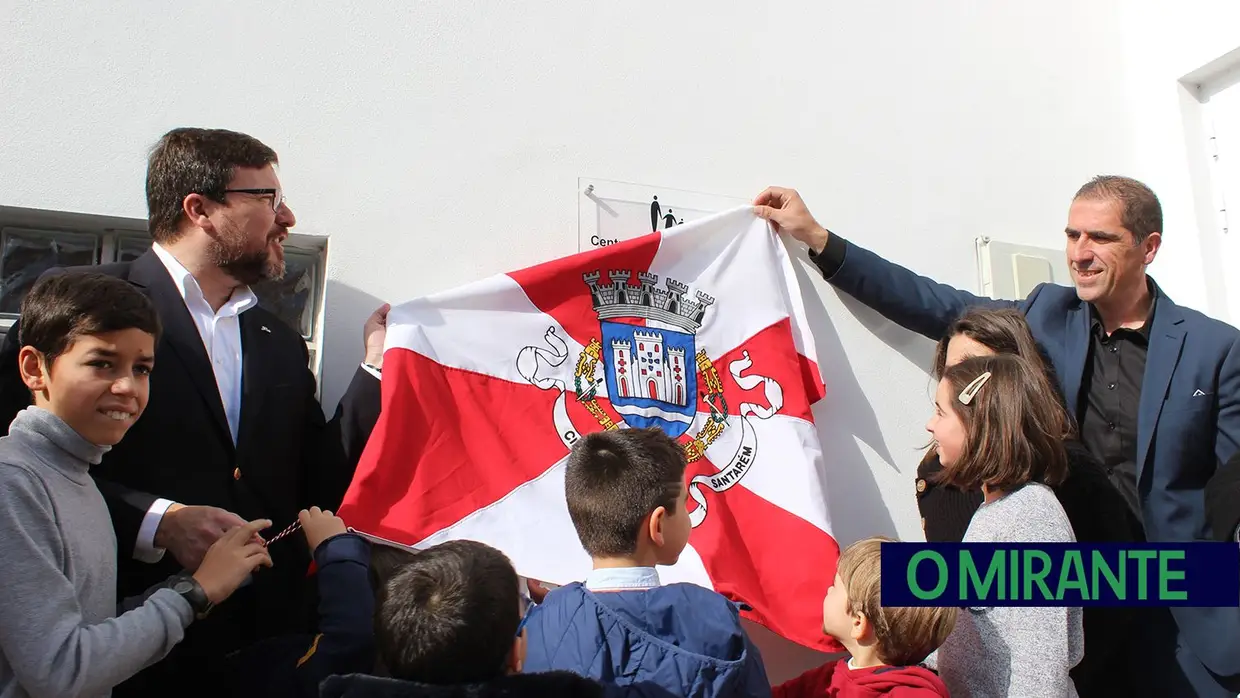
59 632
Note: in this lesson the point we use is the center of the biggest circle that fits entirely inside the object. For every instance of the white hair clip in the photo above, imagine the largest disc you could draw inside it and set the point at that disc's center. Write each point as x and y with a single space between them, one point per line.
970 390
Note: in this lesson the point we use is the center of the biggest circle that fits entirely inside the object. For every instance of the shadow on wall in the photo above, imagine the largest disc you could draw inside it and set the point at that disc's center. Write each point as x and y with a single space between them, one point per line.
844 416
918 350
346 313
847 415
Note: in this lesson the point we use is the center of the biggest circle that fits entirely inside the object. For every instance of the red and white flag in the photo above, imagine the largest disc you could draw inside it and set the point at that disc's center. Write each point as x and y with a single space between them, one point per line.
699 330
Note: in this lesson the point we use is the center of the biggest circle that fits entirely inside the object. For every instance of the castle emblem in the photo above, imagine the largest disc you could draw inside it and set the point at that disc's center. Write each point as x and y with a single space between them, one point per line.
648 348
654 376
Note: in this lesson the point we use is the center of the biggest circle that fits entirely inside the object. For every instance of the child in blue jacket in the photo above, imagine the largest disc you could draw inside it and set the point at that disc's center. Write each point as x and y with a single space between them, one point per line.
349 570
627 498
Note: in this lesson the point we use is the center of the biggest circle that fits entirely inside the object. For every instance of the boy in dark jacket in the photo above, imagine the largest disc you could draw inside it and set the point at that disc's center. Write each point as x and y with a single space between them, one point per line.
294 665
450 623
887 644
627 499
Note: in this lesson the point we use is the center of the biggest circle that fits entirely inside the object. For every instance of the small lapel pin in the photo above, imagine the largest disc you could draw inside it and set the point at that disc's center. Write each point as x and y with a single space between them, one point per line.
264 329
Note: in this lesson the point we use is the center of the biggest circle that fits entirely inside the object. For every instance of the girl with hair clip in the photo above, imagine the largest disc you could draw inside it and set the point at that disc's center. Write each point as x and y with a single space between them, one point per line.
998 426
1094 506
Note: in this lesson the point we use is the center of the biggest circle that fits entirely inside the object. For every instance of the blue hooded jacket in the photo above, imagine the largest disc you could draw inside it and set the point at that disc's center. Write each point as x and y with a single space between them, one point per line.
675 640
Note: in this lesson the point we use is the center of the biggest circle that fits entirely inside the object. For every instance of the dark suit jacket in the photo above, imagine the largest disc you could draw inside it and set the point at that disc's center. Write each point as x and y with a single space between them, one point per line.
290 666
287 457
1188 419
1223 500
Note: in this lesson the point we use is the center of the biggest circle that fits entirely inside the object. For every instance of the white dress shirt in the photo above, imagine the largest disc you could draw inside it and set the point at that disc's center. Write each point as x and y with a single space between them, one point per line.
622 579
221 336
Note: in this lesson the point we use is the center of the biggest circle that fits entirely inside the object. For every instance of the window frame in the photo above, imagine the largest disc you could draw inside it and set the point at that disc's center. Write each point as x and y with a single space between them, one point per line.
43 232
112 232
310 246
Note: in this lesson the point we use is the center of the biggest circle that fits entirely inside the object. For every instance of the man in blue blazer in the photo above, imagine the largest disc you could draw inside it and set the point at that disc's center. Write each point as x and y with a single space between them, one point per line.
1155 388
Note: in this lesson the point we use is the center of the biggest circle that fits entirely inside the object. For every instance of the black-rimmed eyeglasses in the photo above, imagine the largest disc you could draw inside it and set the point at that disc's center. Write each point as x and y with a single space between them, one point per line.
277 196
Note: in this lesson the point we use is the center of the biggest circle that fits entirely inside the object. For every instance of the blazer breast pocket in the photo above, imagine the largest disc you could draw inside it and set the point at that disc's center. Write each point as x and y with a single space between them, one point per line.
1186 430
1183 403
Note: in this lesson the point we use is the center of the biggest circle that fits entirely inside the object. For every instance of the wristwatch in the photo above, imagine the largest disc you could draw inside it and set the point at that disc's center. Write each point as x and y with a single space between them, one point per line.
192 591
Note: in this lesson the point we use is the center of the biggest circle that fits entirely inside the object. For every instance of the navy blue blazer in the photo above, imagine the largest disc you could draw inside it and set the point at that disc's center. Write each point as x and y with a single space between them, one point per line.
1188 421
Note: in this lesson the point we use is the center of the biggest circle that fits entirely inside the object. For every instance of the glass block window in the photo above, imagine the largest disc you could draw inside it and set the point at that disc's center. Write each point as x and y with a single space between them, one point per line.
26 253
293 298
130 248
33 241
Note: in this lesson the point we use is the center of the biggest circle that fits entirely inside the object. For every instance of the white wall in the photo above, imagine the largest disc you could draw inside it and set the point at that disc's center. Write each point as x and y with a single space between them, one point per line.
1163 43
439 142
1224 116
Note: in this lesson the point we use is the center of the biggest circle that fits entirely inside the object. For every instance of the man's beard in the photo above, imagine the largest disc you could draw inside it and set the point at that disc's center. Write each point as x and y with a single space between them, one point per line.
228 252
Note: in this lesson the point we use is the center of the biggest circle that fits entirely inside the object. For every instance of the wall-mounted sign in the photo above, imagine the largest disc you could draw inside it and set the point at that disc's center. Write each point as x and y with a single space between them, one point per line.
609 212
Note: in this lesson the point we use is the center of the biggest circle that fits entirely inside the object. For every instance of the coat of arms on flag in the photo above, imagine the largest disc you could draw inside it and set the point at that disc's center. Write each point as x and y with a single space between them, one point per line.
652 371
647 334
698 331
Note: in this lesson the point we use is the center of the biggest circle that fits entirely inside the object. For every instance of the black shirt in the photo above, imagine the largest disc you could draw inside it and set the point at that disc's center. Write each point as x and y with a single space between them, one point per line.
1223 501
1109 399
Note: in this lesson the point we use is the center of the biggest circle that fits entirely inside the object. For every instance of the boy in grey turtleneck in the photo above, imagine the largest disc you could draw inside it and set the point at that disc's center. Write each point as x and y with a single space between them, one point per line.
88 345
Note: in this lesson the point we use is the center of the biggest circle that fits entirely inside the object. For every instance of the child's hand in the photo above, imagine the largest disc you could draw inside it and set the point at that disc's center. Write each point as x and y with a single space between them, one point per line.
231 559
319 526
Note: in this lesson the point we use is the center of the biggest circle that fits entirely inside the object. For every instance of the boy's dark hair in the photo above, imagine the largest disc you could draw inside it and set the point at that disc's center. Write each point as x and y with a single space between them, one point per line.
449 615
385 562
64 306
195 161
1014 425
615 479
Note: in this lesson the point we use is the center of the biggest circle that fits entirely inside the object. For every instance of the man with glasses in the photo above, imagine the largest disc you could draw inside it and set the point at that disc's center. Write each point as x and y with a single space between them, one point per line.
233 430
